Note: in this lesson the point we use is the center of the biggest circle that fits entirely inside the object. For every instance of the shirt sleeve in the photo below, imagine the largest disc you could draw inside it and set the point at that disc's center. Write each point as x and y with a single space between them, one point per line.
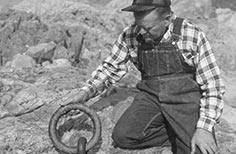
208 77
112 69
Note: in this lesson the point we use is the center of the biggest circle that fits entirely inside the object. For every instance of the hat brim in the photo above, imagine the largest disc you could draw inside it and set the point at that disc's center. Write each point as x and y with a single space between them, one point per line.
135 8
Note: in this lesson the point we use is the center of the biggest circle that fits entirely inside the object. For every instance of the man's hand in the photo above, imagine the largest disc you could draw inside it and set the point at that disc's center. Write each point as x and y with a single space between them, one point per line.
205 141
79 97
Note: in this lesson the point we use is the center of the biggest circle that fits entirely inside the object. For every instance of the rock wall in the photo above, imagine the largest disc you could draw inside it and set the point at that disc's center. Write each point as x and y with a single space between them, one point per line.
218 23
25 33
103 26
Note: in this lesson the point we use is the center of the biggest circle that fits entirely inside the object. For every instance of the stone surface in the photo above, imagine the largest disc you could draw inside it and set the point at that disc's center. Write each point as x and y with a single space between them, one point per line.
59 63
42 52
25 33
22 61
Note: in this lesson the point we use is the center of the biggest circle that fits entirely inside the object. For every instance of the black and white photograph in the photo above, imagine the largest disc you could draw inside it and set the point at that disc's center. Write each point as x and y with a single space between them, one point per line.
117 77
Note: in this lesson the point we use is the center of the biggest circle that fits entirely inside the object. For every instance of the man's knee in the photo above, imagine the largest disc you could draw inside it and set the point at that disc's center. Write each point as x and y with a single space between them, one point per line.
120 138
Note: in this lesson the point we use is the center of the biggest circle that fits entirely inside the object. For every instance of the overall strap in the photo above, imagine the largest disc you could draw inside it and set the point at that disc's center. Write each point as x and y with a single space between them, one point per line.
177 28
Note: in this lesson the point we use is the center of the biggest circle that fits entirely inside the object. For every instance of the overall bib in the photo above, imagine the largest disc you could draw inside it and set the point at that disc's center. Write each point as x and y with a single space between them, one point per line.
166 110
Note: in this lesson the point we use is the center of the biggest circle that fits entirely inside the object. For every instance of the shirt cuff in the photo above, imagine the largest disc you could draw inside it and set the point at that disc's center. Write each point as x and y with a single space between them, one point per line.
206 123
89 89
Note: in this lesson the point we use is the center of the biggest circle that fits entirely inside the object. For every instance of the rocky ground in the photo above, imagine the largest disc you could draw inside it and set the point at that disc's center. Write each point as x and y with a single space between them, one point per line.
48 48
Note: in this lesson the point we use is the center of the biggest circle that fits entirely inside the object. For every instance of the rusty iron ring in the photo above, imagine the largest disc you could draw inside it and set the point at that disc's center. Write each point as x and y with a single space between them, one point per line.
64 110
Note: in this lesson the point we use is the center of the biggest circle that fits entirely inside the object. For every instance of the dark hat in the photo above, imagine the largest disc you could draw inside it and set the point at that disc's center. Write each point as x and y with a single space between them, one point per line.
145 5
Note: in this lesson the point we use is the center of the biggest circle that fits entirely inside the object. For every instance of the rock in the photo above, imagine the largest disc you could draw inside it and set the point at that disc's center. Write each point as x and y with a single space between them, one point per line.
226 18
166 150
13 108
18 30
6 98
22 61
194 9
42 52
56 33
46 63
77 42
24 101
61 52
116 4
225 4
230 116
59 63
1 86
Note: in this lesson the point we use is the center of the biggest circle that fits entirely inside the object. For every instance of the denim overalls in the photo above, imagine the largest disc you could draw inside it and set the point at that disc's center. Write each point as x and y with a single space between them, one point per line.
166 110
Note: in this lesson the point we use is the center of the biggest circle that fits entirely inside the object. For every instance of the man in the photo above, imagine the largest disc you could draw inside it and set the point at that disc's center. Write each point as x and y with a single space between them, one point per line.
180 98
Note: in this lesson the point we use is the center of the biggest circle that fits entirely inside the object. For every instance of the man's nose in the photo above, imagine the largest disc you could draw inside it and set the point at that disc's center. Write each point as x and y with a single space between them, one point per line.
137 18
138 21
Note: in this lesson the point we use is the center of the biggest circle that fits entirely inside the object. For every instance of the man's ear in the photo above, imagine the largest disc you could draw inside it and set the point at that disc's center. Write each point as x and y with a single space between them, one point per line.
167 19
167 22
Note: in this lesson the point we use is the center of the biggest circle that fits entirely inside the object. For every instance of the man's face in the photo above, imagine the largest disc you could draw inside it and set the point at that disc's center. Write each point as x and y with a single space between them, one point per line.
151 21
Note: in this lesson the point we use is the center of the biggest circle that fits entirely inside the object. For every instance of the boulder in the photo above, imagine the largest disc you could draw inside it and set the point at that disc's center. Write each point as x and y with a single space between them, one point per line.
22 61
42 52
227 18
1 86
59 63
61 52
193 9
17 31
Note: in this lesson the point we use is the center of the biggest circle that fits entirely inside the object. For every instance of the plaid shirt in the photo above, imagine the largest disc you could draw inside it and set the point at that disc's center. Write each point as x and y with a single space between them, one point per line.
196 51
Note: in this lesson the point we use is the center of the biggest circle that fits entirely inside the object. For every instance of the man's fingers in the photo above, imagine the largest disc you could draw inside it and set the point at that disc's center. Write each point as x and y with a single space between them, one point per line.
204 141
193 147
215 148
212 148
203 150
210 151
217 151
